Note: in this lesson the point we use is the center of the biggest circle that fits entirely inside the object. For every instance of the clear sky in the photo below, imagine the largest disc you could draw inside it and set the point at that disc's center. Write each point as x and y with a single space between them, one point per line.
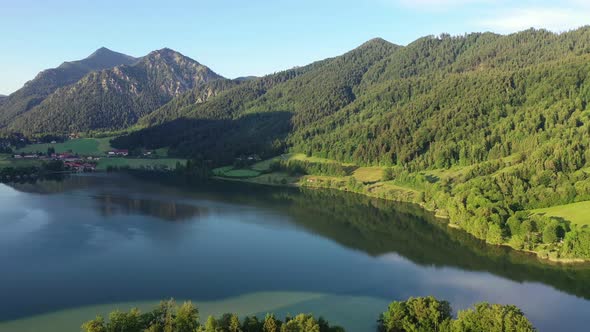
248 37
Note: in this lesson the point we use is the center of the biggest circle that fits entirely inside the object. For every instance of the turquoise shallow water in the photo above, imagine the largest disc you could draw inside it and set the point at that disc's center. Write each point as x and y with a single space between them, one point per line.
90 244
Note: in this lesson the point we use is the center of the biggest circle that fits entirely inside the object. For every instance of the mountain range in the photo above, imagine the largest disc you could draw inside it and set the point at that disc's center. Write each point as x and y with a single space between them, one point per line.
106 91
48 81
438 98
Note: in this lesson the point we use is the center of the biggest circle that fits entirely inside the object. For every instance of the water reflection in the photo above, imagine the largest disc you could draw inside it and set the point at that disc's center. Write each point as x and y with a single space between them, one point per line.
110 205
103 239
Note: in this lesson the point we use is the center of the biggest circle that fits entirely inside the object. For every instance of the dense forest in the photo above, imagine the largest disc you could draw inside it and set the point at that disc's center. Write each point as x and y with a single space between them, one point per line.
415 314
511 110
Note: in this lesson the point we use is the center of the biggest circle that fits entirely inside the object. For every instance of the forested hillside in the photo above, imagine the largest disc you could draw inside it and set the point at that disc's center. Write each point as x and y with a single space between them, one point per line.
116 98
46 82
510 111
257 115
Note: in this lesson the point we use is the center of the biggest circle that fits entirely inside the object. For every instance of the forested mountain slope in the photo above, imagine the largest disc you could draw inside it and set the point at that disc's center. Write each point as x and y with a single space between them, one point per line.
511 111
47 81
116 98
256 116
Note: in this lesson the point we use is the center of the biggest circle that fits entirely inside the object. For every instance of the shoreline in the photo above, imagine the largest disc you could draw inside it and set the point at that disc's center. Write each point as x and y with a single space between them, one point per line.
436 213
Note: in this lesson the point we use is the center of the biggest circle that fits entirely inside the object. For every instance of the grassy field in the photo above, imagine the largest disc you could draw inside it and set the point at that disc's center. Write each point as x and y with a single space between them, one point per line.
231 172
368 174
241 173
263 166
370 177
83 146
303 157
275 178
577 213
7 161
104 163
220 171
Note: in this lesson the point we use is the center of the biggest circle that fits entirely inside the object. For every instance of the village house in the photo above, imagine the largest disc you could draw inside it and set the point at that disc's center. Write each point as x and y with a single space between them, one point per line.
67 157
119 153
80 167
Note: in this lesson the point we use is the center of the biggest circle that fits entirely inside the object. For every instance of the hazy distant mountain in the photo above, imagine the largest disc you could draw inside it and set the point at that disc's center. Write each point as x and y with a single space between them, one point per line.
47 81
116 98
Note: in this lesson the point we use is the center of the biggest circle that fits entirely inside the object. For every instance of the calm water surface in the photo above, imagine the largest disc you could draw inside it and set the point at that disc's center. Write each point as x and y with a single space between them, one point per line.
101 242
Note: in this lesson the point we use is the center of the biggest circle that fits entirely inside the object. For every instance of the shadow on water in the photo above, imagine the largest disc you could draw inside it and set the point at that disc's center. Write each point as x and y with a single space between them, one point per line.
110 205
370 225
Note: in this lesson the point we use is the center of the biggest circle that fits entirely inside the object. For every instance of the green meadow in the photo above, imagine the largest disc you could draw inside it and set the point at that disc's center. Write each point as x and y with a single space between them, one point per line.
84 146
6 160
577 213
104 163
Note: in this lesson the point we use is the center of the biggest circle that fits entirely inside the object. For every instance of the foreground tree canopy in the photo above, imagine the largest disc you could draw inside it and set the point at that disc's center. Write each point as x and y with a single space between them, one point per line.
425 314
169 317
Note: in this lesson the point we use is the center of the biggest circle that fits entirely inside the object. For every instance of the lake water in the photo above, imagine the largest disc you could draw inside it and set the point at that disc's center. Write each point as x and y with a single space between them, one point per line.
92 243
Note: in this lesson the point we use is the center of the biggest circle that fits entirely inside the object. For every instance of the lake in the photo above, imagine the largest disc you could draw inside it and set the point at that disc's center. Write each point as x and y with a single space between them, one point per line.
92 243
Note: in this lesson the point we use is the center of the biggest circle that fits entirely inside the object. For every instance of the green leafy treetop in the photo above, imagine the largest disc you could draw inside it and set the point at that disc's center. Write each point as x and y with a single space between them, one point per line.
423 314
270 324
492 318
427 314
417 314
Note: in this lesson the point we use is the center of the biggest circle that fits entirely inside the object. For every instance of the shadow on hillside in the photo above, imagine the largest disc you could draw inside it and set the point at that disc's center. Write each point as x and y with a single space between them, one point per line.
220 140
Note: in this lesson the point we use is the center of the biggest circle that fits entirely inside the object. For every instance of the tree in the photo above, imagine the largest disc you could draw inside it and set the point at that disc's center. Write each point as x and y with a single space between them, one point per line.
388 174
234 324
494 235
95 325
301 323
251 324
123 321
427 314
492 318
552 232
416 314
211 324
187 318
270 324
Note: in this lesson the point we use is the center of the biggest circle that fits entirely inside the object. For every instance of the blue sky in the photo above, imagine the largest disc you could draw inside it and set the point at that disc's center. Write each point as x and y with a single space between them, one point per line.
248 37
